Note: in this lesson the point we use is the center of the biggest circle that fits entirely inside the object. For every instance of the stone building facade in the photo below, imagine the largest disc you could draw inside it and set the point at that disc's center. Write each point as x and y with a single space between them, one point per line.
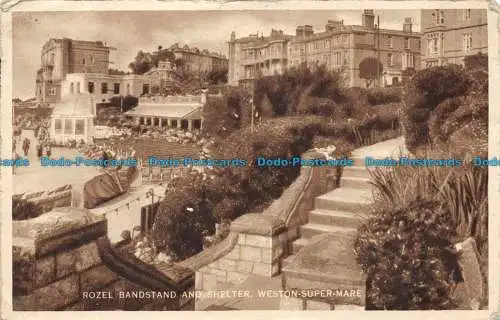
451 35
60 57
102 86
257 55
338 47
198 61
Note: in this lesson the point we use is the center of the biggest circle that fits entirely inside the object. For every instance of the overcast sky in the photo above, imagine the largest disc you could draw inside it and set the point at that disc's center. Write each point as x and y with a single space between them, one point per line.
130 32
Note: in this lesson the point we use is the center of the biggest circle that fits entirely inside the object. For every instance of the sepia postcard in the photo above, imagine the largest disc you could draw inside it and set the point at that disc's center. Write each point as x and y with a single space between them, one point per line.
275 159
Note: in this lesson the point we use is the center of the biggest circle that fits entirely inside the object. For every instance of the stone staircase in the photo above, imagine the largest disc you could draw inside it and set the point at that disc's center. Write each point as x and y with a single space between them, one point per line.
341 210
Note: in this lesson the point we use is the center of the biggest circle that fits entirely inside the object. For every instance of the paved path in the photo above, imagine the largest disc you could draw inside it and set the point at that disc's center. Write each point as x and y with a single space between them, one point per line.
35 178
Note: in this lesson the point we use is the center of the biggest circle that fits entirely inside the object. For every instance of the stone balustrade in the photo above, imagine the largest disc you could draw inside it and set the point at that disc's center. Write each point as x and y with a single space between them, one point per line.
170 99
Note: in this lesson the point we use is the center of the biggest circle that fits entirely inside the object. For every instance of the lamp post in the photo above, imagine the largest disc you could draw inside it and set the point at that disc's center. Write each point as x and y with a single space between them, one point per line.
252 115
150 193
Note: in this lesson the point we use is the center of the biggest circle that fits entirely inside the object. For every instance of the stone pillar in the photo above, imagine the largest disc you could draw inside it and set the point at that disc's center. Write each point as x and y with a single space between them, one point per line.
53 127
85 130
160 120
190 124
255 246
169 123
74 128
60 259
152 121
343 275
179 123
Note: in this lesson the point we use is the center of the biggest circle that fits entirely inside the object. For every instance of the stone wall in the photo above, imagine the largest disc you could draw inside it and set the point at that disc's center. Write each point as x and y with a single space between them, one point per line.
48 200
56 259
255 246
62 260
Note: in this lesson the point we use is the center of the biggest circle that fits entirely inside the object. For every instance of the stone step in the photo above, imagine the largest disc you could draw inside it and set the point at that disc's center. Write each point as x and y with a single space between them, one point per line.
304 242
336 218
356 172
345 199
355 182
358 161
299 244
313 229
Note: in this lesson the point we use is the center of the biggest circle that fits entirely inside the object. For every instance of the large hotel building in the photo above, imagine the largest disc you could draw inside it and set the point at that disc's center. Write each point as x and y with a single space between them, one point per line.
451 35
69 65
339 47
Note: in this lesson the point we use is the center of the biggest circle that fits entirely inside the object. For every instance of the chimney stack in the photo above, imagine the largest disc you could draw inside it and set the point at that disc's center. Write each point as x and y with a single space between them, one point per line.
368 19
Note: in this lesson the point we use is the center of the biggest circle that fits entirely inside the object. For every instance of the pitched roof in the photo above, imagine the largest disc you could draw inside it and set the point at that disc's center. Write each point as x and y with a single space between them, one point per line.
177 110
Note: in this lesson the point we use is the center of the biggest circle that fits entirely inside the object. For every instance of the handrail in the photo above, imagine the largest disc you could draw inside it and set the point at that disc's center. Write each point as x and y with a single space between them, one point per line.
210 254
141 273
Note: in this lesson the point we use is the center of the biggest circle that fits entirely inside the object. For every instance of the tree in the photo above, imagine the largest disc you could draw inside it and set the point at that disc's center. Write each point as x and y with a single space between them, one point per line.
145 61
128 102
141 63
477 61
407 74
370 69
217 76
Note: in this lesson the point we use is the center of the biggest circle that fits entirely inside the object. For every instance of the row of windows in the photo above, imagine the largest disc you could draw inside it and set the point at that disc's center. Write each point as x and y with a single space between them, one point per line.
75 87
252 53
91 58
68 126
438 16
434 43
408 60
91 87
389 42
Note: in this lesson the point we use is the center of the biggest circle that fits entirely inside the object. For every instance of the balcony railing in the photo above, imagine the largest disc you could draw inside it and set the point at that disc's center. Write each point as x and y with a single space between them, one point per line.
170 99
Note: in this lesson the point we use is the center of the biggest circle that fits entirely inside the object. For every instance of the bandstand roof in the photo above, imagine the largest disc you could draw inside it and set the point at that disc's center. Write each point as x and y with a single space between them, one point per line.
75 105
179 111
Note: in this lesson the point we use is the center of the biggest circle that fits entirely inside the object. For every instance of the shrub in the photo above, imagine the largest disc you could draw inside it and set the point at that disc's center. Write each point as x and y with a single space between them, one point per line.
461 125
384 95
461 193
356 94
222 116
476 61
426 90
285 91
183 217
407 255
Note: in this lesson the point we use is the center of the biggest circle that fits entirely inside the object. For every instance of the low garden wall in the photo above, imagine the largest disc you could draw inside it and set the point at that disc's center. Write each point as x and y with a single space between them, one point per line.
48 200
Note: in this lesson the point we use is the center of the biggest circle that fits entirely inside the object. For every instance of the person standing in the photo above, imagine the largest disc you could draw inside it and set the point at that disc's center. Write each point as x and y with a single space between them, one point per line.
26 146
39 150
15 157
49 150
